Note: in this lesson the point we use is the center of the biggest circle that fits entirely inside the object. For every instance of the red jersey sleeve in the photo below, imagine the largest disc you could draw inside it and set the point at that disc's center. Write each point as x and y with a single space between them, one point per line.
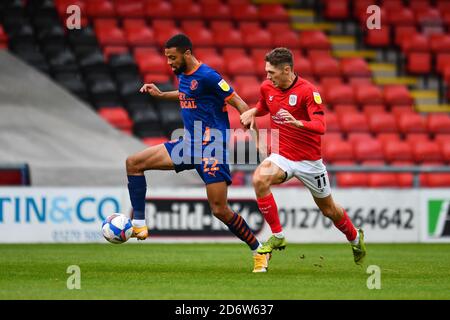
316 112
261 106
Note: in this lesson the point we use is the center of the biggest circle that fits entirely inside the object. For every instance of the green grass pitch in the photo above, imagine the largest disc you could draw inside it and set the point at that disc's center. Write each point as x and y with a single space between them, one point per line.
222 271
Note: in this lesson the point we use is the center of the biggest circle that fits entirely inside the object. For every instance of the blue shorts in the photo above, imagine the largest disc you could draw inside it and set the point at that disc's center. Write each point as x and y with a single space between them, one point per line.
209 168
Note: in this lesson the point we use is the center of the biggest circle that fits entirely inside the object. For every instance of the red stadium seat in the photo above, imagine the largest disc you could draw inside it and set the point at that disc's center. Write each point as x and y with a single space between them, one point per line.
112 50
331 137
384 137
428 17
237 62
382 179
411 122
111 36
357 137
186 10
355 67
404 179
342 94
338 151
397 151
210 57
100 9
370 109
445 150
426 151
118 117
353 122
419 63
129 9
442 138
158 10
337 9
344 109
272 12
435 180
379 37
400 16
303 67
254 36
369 150
199 35
352 179
150 61
368 94
411 138
244 12
331 122
211 11
440 43
248 88
139 35
314 40
397 95
326 68
382 122
227 37
401 109
402 32
416 43
442 61
438 123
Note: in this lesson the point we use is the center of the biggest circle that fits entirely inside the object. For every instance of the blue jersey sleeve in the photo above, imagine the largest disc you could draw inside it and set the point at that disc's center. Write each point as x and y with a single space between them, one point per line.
219 86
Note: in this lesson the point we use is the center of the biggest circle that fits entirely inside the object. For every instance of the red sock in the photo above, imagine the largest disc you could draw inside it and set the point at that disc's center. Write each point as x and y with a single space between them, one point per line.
269 209
346 227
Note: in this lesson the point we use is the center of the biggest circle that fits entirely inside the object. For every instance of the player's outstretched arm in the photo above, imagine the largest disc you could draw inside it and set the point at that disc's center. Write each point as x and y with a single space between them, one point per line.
154 91
237 102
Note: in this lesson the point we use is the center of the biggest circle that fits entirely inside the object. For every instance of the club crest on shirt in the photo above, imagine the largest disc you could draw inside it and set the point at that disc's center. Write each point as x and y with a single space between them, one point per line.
292 100
317 97
224 85
194 84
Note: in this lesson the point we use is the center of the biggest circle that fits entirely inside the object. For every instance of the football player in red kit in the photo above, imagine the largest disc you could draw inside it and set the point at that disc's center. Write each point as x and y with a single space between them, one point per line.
296 111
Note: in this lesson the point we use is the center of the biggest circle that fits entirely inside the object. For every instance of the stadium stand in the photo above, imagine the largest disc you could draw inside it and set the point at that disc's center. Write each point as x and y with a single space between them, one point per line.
372 81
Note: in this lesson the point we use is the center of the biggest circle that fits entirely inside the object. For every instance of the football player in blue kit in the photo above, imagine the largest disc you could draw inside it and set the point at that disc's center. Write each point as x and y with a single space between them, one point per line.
203 96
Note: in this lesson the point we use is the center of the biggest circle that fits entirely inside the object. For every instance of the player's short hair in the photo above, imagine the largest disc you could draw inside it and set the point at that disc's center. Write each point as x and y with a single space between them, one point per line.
181 42
279 57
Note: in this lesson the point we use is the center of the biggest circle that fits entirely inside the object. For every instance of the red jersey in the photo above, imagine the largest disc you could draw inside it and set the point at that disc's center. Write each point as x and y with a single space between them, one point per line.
303 102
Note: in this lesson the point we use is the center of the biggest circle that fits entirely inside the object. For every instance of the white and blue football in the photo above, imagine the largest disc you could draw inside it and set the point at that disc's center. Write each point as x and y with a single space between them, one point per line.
117 228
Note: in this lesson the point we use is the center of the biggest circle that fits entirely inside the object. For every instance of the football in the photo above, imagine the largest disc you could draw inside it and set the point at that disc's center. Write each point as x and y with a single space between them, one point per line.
117 228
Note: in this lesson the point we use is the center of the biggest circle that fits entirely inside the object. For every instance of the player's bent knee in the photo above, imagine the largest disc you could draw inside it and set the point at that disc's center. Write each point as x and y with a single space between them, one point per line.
132 164
221 212
260 182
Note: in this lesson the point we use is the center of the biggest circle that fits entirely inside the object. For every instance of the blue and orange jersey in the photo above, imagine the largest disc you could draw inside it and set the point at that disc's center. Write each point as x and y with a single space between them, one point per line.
203 94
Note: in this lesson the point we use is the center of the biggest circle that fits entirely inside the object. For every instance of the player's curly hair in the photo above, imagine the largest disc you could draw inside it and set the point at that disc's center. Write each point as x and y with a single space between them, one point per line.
279 57
181 42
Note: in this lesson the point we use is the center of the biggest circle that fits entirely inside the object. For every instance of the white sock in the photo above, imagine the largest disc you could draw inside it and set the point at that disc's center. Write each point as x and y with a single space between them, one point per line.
255 252
356 239
279 235
139 222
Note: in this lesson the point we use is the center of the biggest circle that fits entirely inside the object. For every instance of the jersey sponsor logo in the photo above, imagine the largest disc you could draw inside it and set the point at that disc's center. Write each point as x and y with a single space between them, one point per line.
270 98
186 102
292 100
224 85
317 97
194 85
